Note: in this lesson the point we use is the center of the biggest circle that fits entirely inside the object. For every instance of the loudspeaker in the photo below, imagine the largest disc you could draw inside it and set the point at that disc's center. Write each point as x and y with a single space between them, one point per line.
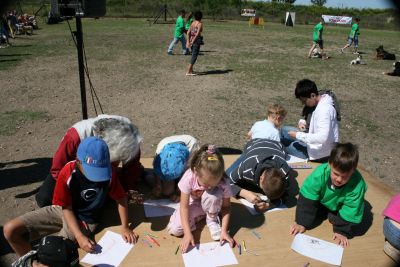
80 8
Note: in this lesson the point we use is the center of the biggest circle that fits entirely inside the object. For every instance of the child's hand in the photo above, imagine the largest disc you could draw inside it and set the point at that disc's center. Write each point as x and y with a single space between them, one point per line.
341 239
128 235
297 228
292 134
187 240
261 206
226 237
86 243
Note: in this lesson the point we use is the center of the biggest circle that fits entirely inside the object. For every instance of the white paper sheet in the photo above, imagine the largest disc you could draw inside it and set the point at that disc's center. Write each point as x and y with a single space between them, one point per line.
293 159
159 207
318 249
250 206
111 250
210 255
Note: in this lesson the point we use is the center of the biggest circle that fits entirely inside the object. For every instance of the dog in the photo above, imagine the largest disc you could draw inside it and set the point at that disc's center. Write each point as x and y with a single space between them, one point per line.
357 61
396 69
382 54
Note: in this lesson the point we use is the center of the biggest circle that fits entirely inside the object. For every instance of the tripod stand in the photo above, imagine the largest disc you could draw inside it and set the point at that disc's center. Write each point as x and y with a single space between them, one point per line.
163 12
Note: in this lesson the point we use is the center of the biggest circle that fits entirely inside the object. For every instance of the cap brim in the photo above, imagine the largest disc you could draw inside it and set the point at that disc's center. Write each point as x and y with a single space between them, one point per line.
96 174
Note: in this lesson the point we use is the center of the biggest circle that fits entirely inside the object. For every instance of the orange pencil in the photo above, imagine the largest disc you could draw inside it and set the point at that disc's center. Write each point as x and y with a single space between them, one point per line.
153 240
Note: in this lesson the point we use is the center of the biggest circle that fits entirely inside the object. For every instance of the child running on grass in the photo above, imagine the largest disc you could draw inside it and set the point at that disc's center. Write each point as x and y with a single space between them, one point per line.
205 193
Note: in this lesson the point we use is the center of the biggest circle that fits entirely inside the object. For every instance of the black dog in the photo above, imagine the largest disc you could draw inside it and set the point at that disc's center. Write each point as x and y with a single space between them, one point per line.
382 54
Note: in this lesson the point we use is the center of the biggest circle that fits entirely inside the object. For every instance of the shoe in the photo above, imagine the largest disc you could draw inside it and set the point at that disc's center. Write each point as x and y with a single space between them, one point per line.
356 53
392 252
191 74
215 230
170 53
341 50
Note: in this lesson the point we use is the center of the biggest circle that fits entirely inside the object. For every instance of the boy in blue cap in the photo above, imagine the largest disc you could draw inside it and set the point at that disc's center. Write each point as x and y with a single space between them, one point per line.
81 190
170 162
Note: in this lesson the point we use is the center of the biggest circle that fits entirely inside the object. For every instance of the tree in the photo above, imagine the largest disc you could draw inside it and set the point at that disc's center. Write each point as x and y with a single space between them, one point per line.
319 2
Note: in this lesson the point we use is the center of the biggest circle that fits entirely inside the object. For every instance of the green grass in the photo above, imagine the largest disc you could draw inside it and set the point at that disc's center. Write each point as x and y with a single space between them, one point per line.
11 121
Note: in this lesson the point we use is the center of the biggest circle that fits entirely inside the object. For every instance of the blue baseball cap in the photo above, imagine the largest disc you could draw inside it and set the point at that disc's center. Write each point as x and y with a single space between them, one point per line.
95 158
171 162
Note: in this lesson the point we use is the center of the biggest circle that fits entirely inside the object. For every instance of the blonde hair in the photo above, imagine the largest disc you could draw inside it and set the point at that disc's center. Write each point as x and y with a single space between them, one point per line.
276 109
208 157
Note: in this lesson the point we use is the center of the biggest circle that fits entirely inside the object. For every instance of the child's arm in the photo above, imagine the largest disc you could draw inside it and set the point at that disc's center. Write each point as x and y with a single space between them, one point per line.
226 214
84 242
253 198
127 234
249 135
187 239
306 213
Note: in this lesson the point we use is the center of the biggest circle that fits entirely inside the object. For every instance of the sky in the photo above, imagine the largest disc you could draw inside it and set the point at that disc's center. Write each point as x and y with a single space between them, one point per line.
352 3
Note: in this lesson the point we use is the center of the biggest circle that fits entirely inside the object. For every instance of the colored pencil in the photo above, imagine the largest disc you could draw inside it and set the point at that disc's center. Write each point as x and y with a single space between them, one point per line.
147 242
240 249
244 245
153 240
177 249
256 234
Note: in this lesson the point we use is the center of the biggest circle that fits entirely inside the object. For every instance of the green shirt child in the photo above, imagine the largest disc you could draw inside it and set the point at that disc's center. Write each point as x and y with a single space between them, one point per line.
179 27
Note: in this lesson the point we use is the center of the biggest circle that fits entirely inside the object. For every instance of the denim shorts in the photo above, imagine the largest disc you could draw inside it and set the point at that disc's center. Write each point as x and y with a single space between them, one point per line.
392 233
354 40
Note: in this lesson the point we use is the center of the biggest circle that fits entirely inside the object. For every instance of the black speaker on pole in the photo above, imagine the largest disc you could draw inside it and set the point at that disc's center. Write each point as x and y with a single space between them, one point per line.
79 8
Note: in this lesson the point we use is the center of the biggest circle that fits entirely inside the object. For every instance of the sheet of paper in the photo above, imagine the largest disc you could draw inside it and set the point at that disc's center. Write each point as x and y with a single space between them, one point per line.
250 206
318 249
110 251
293 159
159 207
210 255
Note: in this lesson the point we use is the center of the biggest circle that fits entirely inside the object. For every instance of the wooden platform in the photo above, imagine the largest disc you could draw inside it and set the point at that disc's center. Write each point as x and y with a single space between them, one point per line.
274 245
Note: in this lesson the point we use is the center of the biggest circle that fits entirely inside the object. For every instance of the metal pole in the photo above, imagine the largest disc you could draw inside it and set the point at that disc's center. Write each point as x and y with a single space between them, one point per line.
79 44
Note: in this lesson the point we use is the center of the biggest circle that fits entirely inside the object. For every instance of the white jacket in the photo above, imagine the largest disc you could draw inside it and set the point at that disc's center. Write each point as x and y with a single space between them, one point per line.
323 131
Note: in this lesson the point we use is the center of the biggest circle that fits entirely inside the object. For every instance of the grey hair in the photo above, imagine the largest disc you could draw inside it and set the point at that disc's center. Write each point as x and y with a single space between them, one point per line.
123 138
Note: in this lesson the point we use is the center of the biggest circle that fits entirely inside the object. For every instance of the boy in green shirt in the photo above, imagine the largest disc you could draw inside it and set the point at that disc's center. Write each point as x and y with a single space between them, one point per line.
317 38
337 189
179 35
353 37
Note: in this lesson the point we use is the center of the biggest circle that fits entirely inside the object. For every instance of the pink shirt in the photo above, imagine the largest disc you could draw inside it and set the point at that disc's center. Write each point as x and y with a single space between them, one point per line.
189 185
393 209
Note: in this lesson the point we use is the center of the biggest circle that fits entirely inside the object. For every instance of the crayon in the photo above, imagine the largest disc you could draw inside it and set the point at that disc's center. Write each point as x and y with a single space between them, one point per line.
147 242
244 245
307 264
154 236
256 234
240 249
177 249
153 240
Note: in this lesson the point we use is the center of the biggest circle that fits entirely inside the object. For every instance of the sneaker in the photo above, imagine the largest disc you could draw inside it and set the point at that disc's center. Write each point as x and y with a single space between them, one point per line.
356 53
215 230
170 53
391 252
341 50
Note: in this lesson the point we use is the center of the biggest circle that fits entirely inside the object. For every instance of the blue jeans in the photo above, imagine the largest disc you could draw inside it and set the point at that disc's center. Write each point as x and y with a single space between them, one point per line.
392 233
182 39
292 145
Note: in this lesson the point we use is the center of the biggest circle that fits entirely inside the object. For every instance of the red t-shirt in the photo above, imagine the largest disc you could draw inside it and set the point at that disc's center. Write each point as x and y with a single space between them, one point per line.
62 194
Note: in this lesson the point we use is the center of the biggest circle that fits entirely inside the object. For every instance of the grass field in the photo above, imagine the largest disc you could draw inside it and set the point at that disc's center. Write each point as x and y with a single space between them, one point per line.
246 68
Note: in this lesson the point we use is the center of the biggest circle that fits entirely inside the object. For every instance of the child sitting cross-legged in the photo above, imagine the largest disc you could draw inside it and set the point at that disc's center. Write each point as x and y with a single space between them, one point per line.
205 193
81 190
335 189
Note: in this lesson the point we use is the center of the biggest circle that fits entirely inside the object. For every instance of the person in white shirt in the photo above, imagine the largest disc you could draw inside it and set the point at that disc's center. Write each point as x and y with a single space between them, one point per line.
323 133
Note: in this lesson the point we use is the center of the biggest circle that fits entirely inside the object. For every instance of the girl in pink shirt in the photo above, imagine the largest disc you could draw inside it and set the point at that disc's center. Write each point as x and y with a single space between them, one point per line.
205 193
391 228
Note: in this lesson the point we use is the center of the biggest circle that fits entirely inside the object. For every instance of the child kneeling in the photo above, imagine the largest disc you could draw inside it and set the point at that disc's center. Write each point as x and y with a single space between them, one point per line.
335 188
205 193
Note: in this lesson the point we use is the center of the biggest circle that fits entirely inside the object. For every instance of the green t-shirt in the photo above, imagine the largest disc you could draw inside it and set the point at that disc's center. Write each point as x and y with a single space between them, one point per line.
355 31
318 28
179 27
348 200
187 26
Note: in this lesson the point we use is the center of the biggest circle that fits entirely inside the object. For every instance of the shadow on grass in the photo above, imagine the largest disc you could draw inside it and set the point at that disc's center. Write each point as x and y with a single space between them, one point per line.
212 72
16 55
10 60
16 173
